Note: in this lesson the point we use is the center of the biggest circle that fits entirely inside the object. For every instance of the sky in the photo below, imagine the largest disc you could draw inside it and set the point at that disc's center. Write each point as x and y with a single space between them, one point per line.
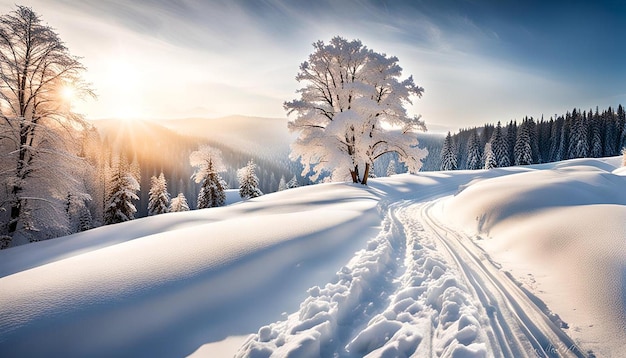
478 61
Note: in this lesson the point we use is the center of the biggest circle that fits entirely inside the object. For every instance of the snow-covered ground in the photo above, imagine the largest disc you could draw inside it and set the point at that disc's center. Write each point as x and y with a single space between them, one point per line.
509 262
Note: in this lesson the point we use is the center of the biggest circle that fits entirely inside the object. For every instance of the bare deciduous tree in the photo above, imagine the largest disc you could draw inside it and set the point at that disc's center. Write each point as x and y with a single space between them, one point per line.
39 165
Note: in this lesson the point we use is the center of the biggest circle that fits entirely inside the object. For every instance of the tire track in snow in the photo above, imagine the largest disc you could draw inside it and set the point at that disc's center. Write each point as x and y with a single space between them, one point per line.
520 328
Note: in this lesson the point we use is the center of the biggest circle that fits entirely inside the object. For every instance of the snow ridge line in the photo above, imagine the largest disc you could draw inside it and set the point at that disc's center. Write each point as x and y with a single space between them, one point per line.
327 317
512 314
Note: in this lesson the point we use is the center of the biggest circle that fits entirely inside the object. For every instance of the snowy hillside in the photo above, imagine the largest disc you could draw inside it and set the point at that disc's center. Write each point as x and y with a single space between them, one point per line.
439 264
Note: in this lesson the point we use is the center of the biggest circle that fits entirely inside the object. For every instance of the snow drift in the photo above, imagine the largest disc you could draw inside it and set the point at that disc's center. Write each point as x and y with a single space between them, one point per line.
169 284
561 232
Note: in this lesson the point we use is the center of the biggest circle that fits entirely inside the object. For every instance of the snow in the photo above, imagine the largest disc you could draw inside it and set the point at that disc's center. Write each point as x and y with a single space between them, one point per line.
341 269
560 233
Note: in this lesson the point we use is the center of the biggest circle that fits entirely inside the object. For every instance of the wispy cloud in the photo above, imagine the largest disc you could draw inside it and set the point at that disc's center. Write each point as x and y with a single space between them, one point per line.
158 58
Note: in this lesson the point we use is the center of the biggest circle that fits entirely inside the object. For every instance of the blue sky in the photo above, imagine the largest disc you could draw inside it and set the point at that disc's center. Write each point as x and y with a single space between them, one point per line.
479 61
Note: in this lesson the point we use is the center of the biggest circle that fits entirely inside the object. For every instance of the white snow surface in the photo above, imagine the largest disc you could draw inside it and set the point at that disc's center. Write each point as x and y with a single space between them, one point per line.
343 270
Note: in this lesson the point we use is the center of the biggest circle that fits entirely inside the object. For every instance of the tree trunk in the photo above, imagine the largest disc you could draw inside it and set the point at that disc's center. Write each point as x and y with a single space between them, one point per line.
16 209
355 175
366 174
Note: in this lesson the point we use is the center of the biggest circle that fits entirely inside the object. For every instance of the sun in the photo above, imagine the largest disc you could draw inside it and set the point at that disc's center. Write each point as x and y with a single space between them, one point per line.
68 93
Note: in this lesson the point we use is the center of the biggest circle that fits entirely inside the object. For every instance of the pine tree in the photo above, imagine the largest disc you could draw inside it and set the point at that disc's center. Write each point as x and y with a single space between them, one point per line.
474 159
208 160
523 150
391 168
595 146
179 204
78 215
490 159
448 154
124 188
248 182
281 184
511 138
500 148
578 145
159 200
293 183
534 139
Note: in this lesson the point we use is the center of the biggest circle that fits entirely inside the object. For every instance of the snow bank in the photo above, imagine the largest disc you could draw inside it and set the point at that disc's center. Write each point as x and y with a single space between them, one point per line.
141 292
561 233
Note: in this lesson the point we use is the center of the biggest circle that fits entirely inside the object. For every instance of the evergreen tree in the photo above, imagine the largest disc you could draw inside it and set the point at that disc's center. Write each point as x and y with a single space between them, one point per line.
610 138
179 203
578 145
293 183
511 139
500 148
523 150
281 184
621 127
208 160
79 217
490 159
595 146
474 159
248 182
534 139
124 188
448 154
561 153
391 168
159 197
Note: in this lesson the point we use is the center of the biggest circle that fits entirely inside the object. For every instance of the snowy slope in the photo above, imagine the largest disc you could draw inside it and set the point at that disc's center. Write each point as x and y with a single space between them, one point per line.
341 269
561 232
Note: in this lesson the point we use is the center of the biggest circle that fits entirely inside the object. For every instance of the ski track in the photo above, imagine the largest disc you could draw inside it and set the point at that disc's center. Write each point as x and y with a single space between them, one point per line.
518 326
418 289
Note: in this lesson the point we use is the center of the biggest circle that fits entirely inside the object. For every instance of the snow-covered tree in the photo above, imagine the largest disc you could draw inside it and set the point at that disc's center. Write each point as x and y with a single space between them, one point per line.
281 184
595 148
293 183
38 131
78 214
391 168
578 144
124 188
179 203
159 198
500 148
490 159
352 95
208 163
474 159
448 154
248 182
522 150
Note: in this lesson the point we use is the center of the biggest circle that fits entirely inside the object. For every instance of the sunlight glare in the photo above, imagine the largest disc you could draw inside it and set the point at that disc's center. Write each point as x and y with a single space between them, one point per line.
125 78
68 93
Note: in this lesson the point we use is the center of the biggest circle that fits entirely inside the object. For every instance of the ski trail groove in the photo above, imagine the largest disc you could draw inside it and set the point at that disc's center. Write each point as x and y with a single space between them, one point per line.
537 335
396 298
